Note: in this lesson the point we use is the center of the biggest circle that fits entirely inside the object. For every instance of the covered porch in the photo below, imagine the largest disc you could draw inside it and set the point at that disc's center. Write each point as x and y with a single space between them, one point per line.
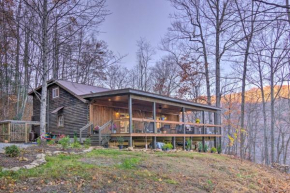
137 115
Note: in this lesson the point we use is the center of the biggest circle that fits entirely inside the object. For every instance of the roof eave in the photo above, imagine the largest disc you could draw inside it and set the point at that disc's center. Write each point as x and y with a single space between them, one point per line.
152 95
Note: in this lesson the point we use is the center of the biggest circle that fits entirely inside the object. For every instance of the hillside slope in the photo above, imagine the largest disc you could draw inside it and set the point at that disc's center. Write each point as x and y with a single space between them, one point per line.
125 171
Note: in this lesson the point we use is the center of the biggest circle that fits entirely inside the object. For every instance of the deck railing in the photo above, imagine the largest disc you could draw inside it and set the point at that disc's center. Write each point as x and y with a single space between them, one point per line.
87 127
142 125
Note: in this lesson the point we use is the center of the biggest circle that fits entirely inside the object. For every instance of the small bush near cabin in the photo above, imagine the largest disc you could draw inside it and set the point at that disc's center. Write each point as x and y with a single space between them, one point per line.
12 151
87 142
213 150
167 146
51 142
205 148
65 141
38 141
76 145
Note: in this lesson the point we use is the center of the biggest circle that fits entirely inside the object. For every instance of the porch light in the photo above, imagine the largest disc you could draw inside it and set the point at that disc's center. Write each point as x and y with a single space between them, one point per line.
109 99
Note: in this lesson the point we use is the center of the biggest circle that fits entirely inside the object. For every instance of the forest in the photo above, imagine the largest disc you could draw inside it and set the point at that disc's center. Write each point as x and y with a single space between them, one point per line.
227 53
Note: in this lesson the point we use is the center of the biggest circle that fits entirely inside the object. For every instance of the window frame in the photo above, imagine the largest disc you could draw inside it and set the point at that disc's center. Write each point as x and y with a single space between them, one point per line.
58 121
54 92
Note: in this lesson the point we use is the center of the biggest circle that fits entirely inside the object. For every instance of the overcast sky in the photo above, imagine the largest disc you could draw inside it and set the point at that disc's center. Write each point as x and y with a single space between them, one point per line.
132 19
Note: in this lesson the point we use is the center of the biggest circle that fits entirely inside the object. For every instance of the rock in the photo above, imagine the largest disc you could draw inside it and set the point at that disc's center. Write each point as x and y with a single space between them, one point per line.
15 169
57 152
23 159
5 169
130 149
88 150
30 166
40 156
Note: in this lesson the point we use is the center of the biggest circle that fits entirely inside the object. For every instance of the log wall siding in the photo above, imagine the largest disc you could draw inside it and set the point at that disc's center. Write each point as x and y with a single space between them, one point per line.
36 109
75 113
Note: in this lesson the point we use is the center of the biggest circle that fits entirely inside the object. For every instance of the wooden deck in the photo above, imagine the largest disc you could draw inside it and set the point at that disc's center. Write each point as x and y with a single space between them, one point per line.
161 135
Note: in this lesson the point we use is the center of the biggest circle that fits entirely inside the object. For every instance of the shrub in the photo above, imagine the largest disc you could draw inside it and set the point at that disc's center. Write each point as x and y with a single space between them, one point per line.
219 149
200 146
213 150
188 144
38 141
76 145
205 148
65 141
12 151
87 142
120 140
51 142
167 146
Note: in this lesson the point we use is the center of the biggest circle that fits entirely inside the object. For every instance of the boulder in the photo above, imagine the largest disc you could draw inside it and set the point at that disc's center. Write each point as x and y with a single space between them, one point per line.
30 166
130 149
15 169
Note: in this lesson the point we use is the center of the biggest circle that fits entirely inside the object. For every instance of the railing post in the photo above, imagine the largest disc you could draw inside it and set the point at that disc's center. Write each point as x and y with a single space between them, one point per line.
154 125
203 129
183 126
215 122
130 120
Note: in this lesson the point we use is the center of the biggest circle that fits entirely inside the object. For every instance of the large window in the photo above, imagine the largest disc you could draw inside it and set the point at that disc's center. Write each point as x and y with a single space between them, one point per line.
60 121
55 93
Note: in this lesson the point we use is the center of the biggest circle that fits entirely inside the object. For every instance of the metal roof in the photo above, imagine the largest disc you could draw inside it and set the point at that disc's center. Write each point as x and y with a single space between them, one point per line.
81 89
150 95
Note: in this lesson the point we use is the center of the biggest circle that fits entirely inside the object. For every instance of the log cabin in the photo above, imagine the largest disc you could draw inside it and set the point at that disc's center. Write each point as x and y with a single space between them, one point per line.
140 118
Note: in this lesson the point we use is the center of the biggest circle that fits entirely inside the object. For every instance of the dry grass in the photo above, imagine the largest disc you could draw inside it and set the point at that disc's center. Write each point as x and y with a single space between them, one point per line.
122 171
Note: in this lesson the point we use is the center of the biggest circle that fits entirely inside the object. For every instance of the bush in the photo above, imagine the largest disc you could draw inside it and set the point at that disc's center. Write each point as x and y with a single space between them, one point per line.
188 144
200 148
120 140
213 150
38 141
12 151
167 146
219 149
87 142
51 142
76 145
205 148
65 141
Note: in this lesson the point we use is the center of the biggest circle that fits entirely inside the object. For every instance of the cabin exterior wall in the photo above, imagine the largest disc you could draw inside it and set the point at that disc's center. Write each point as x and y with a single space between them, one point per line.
75 112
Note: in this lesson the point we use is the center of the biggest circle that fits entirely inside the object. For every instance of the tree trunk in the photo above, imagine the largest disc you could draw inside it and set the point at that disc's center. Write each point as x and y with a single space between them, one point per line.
44 69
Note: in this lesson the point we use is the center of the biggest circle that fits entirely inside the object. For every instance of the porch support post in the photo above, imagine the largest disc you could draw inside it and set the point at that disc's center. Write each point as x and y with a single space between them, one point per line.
215 129
130 120
154 124
219 128
190 143
203 129
174 142
183 126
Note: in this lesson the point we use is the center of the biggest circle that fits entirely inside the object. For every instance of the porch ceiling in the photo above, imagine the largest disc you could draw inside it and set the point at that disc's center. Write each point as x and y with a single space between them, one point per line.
122 102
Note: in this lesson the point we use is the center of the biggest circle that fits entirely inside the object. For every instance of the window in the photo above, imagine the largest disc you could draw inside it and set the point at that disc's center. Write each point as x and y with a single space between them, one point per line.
60 122
55 93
